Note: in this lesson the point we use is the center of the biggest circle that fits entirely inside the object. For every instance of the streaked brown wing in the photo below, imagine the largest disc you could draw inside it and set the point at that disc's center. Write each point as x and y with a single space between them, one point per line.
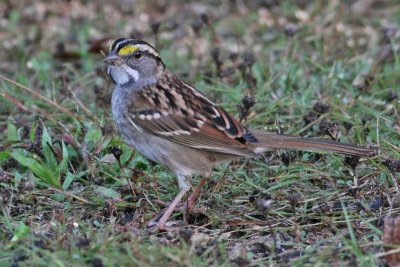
189 131
190 103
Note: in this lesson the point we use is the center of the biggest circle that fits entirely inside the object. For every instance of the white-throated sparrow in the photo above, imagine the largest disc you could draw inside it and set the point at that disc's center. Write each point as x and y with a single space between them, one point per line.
172 123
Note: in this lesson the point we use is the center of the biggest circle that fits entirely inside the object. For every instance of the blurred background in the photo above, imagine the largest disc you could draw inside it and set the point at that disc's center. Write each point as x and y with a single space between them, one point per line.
72 192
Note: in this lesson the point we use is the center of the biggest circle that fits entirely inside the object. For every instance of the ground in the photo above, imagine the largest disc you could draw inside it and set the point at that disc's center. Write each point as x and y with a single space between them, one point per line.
73 194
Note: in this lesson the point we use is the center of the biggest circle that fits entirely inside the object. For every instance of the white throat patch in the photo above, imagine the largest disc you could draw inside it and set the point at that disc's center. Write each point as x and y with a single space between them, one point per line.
133 73
122 74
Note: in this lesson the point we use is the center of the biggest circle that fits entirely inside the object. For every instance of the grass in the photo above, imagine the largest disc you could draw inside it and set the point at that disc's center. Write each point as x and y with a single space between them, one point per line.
73 194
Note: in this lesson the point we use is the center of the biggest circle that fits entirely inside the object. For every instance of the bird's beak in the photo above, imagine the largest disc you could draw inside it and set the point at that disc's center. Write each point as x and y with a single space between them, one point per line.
111 58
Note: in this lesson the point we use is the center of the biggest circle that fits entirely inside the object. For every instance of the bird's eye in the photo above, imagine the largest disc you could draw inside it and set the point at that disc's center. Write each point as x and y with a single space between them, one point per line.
137 54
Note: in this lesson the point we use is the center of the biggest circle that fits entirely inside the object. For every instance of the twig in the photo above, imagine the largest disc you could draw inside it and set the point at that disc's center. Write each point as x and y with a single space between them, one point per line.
70 195
383 254
21 105
82 106
39 96
242 223
13 100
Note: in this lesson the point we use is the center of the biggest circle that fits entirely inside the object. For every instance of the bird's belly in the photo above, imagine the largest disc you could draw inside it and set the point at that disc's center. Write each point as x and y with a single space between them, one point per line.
181 160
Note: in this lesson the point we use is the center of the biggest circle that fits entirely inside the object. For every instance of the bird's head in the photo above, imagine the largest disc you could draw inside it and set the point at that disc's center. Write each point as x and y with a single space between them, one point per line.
133 61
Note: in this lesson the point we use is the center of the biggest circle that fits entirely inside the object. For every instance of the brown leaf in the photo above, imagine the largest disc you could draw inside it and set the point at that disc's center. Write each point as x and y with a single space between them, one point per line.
391 236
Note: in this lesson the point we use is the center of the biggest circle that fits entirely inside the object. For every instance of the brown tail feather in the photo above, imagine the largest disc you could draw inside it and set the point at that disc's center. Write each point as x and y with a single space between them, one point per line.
276 141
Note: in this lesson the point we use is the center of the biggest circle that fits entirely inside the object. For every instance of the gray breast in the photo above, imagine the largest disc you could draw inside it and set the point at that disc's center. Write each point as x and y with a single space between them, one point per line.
181 160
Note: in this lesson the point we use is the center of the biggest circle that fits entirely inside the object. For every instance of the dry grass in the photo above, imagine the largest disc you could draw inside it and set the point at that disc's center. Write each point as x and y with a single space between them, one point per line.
327 69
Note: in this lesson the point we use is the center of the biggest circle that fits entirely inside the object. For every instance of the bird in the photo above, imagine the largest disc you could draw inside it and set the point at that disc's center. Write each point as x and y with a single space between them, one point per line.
172 123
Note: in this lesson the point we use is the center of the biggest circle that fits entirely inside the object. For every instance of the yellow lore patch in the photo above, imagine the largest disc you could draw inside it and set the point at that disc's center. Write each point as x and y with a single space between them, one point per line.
127 50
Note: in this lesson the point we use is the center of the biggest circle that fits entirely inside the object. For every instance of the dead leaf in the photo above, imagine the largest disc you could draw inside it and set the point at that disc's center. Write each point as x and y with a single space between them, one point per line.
391 236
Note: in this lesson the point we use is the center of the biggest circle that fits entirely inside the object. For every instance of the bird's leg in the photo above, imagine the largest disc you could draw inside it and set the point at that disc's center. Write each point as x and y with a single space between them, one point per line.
195 194
164 218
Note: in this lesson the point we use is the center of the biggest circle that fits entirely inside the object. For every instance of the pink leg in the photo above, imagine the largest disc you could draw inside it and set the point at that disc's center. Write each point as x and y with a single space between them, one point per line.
164 218
195 194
